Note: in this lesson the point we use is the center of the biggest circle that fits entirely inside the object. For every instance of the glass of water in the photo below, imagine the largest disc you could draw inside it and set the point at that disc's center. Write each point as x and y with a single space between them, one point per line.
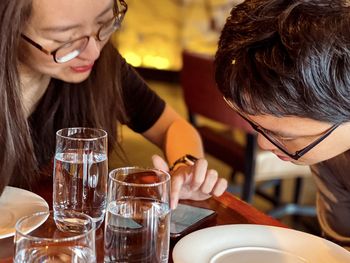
80 174
38 239
137 225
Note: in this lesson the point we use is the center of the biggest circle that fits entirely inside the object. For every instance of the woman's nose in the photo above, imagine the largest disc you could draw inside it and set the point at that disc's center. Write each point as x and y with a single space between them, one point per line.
92 50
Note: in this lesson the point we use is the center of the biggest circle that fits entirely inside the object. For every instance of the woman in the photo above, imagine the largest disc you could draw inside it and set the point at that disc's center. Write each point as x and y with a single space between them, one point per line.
59 70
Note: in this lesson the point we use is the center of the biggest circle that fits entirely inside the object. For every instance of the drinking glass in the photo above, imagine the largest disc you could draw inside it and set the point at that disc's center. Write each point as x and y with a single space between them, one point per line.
137 222
38 239
80 174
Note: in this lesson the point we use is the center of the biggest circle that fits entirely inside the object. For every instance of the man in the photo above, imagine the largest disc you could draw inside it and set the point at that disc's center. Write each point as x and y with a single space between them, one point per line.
285 67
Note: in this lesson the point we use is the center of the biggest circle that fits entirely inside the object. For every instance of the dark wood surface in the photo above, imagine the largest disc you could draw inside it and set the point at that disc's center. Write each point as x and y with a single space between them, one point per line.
229 209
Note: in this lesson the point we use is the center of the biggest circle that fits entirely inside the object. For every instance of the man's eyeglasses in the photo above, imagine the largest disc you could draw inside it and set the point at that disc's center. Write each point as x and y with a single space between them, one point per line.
277 142
72 49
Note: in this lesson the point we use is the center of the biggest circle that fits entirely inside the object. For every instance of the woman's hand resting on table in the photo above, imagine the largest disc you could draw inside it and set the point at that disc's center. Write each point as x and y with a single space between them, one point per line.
192 182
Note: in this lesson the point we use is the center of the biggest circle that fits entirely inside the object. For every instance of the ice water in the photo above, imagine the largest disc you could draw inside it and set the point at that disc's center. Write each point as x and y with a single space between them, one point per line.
137 231
48 254
80 184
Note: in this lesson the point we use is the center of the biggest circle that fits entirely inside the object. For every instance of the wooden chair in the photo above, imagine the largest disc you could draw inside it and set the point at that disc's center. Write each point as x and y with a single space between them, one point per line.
203 98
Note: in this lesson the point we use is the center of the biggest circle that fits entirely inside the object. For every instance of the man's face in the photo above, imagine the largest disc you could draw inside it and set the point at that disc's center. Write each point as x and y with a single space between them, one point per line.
56 22
296 133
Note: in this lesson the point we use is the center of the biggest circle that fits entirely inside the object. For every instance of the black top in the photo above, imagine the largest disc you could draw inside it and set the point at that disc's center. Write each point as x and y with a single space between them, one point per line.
142 105
333 197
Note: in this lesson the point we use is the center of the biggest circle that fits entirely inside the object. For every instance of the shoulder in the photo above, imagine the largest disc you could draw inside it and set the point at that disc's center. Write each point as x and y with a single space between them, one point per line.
339 161
334 172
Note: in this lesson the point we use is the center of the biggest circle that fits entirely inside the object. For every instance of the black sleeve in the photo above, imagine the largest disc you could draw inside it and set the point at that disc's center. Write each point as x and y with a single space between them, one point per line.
143 106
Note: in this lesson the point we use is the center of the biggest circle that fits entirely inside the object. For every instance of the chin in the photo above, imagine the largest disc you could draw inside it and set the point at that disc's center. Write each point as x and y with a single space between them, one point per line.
300 162
307 161
74 79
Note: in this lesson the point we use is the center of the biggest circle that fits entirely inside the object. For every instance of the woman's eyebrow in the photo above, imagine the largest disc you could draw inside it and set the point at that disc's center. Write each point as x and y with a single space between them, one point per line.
57 29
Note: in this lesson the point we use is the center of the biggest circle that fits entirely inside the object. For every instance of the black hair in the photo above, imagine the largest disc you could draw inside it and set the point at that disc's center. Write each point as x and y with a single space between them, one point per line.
28 144
287 58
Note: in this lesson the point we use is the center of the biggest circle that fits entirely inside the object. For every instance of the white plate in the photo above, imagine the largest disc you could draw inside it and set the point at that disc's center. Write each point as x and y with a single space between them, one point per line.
256 243
16 203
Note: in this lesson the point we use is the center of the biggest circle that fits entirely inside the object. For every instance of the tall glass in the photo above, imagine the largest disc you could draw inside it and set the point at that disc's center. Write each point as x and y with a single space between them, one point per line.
80 174
137 222
38 239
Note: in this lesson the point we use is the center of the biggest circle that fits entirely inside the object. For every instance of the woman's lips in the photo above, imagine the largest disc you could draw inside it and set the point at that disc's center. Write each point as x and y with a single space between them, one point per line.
82 69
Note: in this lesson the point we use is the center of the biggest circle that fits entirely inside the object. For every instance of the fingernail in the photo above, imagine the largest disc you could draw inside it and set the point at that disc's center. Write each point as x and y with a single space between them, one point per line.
173 204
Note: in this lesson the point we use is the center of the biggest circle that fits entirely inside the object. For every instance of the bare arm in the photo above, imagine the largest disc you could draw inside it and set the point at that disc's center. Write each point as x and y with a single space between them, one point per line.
177 138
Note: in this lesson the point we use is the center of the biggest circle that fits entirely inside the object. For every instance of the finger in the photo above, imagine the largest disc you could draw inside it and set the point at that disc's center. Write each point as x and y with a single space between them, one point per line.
220 187
176 185
210 181
159 163
199 173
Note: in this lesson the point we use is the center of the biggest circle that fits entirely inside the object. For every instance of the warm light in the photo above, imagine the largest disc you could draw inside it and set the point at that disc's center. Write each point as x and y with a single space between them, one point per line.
133 59
148 61
156 62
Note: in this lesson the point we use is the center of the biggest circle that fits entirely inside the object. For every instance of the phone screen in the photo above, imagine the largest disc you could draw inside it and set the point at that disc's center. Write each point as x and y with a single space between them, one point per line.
185 216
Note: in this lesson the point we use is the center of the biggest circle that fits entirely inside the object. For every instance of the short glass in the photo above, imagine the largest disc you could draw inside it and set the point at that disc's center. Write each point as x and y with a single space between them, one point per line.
38 239
80 174
137 226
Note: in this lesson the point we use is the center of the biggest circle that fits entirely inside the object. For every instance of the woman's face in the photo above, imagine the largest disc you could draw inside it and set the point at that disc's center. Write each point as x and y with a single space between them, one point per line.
297 133
56 22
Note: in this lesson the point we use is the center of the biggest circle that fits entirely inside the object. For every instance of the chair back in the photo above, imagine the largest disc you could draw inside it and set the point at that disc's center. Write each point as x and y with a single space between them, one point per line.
201 93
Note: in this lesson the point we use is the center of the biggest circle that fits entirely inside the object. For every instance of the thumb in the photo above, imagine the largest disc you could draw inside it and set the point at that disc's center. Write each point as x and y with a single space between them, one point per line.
159 163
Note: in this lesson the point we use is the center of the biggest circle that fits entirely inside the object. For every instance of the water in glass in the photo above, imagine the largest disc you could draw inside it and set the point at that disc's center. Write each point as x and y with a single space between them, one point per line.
45 254
80 182
137 231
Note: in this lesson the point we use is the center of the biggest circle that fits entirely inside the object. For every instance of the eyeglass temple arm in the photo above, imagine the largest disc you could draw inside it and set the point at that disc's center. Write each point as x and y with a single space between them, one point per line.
125 5
35 44
301 152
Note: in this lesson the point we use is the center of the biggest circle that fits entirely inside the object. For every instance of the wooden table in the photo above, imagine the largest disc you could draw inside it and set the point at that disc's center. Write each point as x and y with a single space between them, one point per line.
230 210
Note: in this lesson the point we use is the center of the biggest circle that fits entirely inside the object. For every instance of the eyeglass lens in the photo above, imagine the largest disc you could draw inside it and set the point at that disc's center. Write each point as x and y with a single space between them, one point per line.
74 48
71 50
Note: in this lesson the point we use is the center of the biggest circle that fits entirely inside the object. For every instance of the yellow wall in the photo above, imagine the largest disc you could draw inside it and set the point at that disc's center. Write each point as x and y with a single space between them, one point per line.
154 32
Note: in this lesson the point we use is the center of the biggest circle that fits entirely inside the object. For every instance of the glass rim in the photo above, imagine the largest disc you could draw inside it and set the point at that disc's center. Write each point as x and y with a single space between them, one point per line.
63 239
83 42
102 136
140 169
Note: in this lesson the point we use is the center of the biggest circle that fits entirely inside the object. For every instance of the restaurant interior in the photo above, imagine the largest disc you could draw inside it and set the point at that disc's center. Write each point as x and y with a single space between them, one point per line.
113 204
153 37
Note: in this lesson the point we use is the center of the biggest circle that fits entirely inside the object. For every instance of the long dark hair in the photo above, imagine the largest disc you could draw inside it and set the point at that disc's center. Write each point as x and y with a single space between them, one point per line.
28 145
287 57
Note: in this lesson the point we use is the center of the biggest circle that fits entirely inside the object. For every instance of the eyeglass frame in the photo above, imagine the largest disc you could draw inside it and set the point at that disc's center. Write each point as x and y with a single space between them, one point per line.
118 17
298 154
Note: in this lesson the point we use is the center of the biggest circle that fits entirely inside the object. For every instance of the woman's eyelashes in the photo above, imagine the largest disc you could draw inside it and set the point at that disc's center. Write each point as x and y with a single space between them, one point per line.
103 23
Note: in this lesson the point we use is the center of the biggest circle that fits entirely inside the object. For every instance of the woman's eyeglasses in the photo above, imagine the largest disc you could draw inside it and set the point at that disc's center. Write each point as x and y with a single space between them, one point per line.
72 49
277 142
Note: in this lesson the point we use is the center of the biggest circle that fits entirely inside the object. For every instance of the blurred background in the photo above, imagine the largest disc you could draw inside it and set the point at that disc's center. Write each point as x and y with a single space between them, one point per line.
152 38
155 32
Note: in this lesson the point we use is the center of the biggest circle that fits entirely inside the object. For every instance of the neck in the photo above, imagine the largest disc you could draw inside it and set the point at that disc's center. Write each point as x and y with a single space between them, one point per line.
34 86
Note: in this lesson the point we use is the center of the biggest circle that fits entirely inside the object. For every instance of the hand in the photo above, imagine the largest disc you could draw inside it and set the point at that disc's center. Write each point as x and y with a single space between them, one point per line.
192 182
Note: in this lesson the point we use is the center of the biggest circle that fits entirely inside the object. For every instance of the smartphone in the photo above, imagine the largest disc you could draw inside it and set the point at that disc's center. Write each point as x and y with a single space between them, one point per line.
186 218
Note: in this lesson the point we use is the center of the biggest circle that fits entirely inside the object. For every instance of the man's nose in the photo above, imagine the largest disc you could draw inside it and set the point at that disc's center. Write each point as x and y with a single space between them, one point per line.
265 144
